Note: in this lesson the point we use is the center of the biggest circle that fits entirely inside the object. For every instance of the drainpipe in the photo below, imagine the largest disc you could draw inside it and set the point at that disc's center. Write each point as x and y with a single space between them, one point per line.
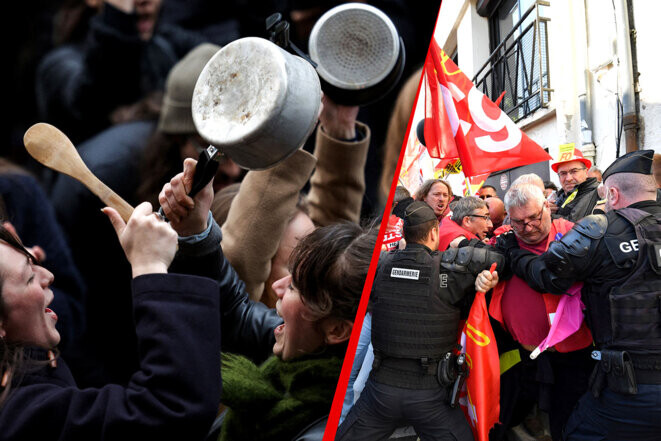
626 53
587 145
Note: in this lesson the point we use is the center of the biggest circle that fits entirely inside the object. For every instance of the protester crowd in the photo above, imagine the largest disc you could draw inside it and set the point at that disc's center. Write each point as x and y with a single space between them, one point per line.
231 320
573 304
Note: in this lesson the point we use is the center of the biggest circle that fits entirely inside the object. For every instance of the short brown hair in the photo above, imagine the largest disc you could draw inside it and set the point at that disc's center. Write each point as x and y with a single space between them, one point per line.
329 267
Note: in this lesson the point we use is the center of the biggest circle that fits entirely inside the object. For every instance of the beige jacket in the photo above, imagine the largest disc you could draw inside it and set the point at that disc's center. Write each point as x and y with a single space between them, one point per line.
266 200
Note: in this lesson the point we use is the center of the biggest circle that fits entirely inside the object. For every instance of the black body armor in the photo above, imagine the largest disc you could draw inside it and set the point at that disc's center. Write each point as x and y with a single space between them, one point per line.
409 317
635 304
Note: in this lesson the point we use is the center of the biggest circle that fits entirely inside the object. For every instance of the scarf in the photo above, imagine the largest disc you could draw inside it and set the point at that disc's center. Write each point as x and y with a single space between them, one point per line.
276 400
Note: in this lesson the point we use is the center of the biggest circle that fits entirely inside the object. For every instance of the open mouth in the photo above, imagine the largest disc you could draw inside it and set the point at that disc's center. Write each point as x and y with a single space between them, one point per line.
279 330
49 312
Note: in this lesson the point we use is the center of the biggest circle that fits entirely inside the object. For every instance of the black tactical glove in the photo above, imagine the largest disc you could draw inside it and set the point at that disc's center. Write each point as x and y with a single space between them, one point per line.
471 259
507 242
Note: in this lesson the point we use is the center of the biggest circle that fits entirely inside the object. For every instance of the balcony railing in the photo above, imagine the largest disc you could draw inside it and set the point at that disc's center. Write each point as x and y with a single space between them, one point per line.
520 67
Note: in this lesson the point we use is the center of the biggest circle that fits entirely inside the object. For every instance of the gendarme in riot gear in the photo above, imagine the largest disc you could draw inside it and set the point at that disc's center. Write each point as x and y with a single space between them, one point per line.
618 257
416 304
417 299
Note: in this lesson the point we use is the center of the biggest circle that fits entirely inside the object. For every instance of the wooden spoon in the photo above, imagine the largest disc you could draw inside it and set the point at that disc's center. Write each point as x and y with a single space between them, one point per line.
48 145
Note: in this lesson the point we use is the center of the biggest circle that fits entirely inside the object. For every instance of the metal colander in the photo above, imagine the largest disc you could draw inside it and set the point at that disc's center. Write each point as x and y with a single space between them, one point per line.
355 46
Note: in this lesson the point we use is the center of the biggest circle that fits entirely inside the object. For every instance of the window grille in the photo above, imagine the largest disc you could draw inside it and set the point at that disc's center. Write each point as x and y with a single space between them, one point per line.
520 66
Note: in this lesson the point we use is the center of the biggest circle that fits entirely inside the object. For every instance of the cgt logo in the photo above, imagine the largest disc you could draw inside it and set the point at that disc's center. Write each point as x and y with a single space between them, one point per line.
627 247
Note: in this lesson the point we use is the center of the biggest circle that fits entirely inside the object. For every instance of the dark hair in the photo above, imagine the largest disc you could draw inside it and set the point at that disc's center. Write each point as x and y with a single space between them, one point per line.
551 185
418 233
489 186
329 267
12 360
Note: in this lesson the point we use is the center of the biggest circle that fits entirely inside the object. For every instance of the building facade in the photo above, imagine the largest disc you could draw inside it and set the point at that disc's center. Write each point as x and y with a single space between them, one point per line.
581 72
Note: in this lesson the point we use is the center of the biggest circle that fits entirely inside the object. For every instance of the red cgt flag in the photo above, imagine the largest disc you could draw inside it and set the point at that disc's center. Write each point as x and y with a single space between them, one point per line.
439 135
482 401
467 123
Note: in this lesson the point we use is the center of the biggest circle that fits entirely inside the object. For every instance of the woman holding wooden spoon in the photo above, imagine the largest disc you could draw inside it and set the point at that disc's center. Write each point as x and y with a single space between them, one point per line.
175 392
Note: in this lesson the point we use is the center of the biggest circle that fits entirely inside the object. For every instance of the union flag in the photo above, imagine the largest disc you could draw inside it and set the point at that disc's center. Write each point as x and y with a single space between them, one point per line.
481 404
463 123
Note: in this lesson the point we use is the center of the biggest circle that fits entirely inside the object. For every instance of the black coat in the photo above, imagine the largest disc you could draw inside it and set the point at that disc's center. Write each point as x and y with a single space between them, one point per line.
173 396
582 204
246 326
78 85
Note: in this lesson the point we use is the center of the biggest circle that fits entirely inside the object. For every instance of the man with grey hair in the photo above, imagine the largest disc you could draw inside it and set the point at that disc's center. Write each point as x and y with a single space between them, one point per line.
526 316
617 256
594 172
470 220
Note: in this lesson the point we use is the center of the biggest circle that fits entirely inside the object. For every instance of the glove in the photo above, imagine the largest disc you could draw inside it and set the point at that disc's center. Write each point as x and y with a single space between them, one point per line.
507 242
400 208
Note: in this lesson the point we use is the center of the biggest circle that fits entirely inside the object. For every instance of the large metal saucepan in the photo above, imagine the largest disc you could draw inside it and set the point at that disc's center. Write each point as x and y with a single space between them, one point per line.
256 102
359 54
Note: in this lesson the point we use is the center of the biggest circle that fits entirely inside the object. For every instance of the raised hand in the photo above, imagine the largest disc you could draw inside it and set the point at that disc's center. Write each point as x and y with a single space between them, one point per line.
188 216
148 242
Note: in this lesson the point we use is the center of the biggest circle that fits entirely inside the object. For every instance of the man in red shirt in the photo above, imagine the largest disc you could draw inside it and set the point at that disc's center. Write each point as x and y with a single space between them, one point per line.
470 220
558 378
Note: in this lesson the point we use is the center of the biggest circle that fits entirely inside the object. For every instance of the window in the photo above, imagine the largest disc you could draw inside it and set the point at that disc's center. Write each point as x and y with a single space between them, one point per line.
519 60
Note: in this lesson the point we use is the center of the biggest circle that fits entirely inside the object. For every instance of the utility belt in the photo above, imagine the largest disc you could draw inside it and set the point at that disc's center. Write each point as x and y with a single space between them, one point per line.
450 371
622 373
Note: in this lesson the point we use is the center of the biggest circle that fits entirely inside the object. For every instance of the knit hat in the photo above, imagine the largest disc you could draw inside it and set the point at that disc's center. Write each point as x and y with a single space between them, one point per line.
576 156
639 161
176 115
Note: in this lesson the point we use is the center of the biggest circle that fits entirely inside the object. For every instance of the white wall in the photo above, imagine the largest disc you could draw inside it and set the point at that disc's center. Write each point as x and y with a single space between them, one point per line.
646 18
584 51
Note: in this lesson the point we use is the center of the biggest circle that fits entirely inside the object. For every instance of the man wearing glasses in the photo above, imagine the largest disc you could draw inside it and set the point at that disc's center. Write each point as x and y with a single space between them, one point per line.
578 194
470 220
559 376
618 258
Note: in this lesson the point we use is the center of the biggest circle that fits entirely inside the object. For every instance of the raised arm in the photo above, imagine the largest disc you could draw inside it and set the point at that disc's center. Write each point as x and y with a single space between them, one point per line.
338 183
247 326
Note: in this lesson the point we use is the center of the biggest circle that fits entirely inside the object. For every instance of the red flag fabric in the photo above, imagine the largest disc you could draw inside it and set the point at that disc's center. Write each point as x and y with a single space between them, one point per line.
483 382
439 134
411 174
485 138
393 233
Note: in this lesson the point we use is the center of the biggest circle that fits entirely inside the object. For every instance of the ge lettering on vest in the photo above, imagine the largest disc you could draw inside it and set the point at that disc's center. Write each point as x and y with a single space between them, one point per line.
628 247
405 273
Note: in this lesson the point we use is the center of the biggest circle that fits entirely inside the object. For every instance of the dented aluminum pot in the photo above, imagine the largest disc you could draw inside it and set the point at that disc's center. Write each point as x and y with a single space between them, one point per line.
256 102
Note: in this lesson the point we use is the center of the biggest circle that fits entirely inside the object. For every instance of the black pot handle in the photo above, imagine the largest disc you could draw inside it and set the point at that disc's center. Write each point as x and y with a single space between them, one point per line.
278 30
